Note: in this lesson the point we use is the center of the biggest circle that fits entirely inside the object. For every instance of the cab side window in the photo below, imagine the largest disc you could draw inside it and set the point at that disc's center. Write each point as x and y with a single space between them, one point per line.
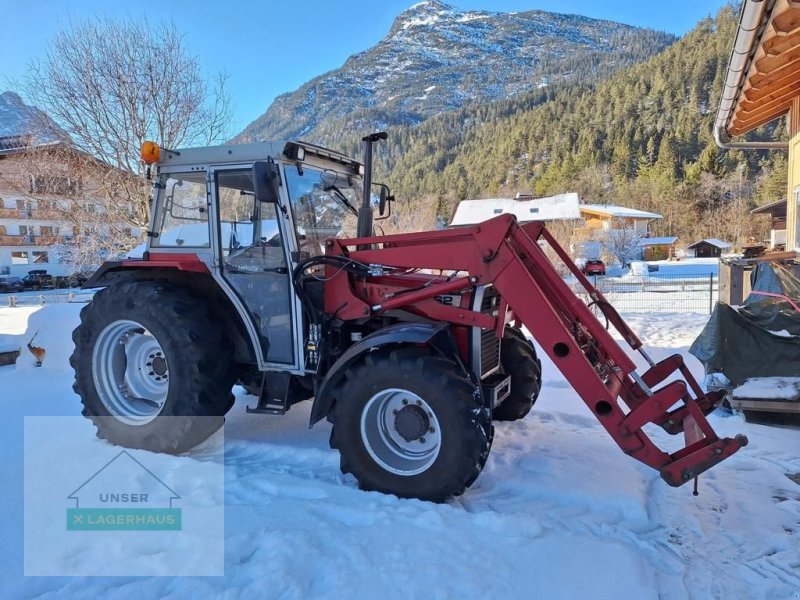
183 211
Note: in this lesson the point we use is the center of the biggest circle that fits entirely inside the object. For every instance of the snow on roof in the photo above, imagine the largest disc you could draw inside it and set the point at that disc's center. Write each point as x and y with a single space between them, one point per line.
618 212
714 242
8 346
552 208
658 241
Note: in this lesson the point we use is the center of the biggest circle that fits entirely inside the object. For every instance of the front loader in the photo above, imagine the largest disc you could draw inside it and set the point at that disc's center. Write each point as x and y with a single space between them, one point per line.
262 269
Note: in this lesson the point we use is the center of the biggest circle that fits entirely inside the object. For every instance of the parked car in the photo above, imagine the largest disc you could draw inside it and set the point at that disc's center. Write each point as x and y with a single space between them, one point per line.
38 279
75 280
594 267
11 284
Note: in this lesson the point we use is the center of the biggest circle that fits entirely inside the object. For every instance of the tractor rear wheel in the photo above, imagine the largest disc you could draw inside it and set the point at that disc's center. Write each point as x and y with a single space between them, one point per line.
518 359
152 367
409 423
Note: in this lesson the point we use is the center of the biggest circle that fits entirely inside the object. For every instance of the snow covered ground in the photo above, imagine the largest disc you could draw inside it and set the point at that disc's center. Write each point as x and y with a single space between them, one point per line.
686 267
559 511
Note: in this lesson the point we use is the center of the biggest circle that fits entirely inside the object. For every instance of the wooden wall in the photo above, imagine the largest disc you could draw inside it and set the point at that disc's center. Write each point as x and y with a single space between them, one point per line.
793 188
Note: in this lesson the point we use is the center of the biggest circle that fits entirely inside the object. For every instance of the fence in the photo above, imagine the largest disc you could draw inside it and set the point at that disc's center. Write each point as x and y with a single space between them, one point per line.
662 293
42 297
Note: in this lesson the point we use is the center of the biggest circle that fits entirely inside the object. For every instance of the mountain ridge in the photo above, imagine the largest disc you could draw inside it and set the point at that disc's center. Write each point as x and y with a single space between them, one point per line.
18 119
436 58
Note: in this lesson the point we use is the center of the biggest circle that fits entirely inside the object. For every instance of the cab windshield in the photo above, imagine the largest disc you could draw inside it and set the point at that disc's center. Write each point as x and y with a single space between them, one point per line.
324 205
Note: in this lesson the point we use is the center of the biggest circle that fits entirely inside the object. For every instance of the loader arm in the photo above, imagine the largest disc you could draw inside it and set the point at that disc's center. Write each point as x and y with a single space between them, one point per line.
502 253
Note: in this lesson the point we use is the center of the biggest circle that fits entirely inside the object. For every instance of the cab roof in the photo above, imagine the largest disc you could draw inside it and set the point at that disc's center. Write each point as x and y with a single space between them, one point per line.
245 153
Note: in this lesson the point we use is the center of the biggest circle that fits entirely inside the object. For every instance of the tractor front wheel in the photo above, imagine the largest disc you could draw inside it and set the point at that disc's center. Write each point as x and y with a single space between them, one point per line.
518 360
409 423
152 367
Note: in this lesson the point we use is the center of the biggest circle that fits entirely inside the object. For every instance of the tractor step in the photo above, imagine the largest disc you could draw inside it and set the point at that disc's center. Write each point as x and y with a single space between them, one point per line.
265 410
496 388
274 396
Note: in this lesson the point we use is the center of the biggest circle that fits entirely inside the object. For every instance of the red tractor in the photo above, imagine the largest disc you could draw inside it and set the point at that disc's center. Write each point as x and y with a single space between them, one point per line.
262 269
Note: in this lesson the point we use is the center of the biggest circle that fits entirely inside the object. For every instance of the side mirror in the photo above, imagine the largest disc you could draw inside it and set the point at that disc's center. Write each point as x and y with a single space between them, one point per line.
385 199
382 203
266 180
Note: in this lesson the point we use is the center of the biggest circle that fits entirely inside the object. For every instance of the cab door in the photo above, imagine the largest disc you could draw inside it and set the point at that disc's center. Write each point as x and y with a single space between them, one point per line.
253 260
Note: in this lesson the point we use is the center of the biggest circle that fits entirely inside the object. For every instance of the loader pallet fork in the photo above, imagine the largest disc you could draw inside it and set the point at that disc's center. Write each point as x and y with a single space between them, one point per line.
508 256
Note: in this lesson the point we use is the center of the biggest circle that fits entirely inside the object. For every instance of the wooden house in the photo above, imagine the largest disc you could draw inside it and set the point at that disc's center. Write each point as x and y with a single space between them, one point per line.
763 84
777 230
658 248
707 248
603 221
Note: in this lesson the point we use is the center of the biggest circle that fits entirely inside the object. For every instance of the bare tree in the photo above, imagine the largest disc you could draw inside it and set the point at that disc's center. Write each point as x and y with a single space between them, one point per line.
407 216
622 242
109 85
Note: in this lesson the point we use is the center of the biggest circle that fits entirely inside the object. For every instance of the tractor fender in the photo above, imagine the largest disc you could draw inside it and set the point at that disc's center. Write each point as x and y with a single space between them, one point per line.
436 335
108 271
187 272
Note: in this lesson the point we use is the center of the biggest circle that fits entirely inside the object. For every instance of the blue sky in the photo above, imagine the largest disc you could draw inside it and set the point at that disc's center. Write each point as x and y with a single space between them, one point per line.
268 47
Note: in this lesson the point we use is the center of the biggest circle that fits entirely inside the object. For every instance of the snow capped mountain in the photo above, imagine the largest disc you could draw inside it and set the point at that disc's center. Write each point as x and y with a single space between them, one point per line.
19 119
437 58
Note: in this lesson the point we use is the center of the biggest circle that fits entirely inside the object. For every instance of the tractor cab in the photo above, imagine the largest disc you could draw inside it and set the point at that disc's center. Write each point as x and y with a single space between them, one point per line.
251 214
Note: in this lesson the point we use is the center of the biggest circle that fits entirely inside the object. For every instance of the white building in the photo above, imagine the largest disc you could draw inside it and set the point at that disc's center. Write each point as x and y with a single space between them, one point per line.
54 199
562 207
30 227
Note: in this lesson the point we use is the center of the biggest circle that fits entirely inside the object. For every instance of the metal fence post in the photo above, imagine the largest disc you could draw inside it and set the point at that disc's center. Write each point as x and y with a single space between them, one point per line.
710 293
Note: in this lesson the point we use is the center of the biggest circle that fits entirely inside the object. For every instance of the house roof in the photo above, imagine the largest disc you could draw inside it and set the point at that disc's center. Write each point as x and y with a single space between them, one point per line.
762 77
552 208
711 241
776 209
617 212
22 143
658 241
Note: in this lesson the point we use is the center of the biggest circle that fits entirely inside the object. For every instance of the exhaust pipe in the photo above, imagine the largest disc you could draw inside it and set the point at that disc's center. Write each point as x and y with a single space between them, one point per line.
364 228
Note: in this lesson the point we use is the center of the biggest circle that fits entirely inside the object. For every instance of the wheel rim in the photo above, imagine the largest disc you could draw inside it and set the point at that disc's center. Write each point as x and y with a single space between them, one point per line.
130 372
400 432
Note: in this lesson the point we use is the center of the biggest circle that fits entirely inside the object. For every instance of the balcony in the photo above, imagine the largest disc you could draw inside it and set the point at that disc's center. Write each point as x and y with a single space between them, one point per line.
31 240
12 213
39 214
46 214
